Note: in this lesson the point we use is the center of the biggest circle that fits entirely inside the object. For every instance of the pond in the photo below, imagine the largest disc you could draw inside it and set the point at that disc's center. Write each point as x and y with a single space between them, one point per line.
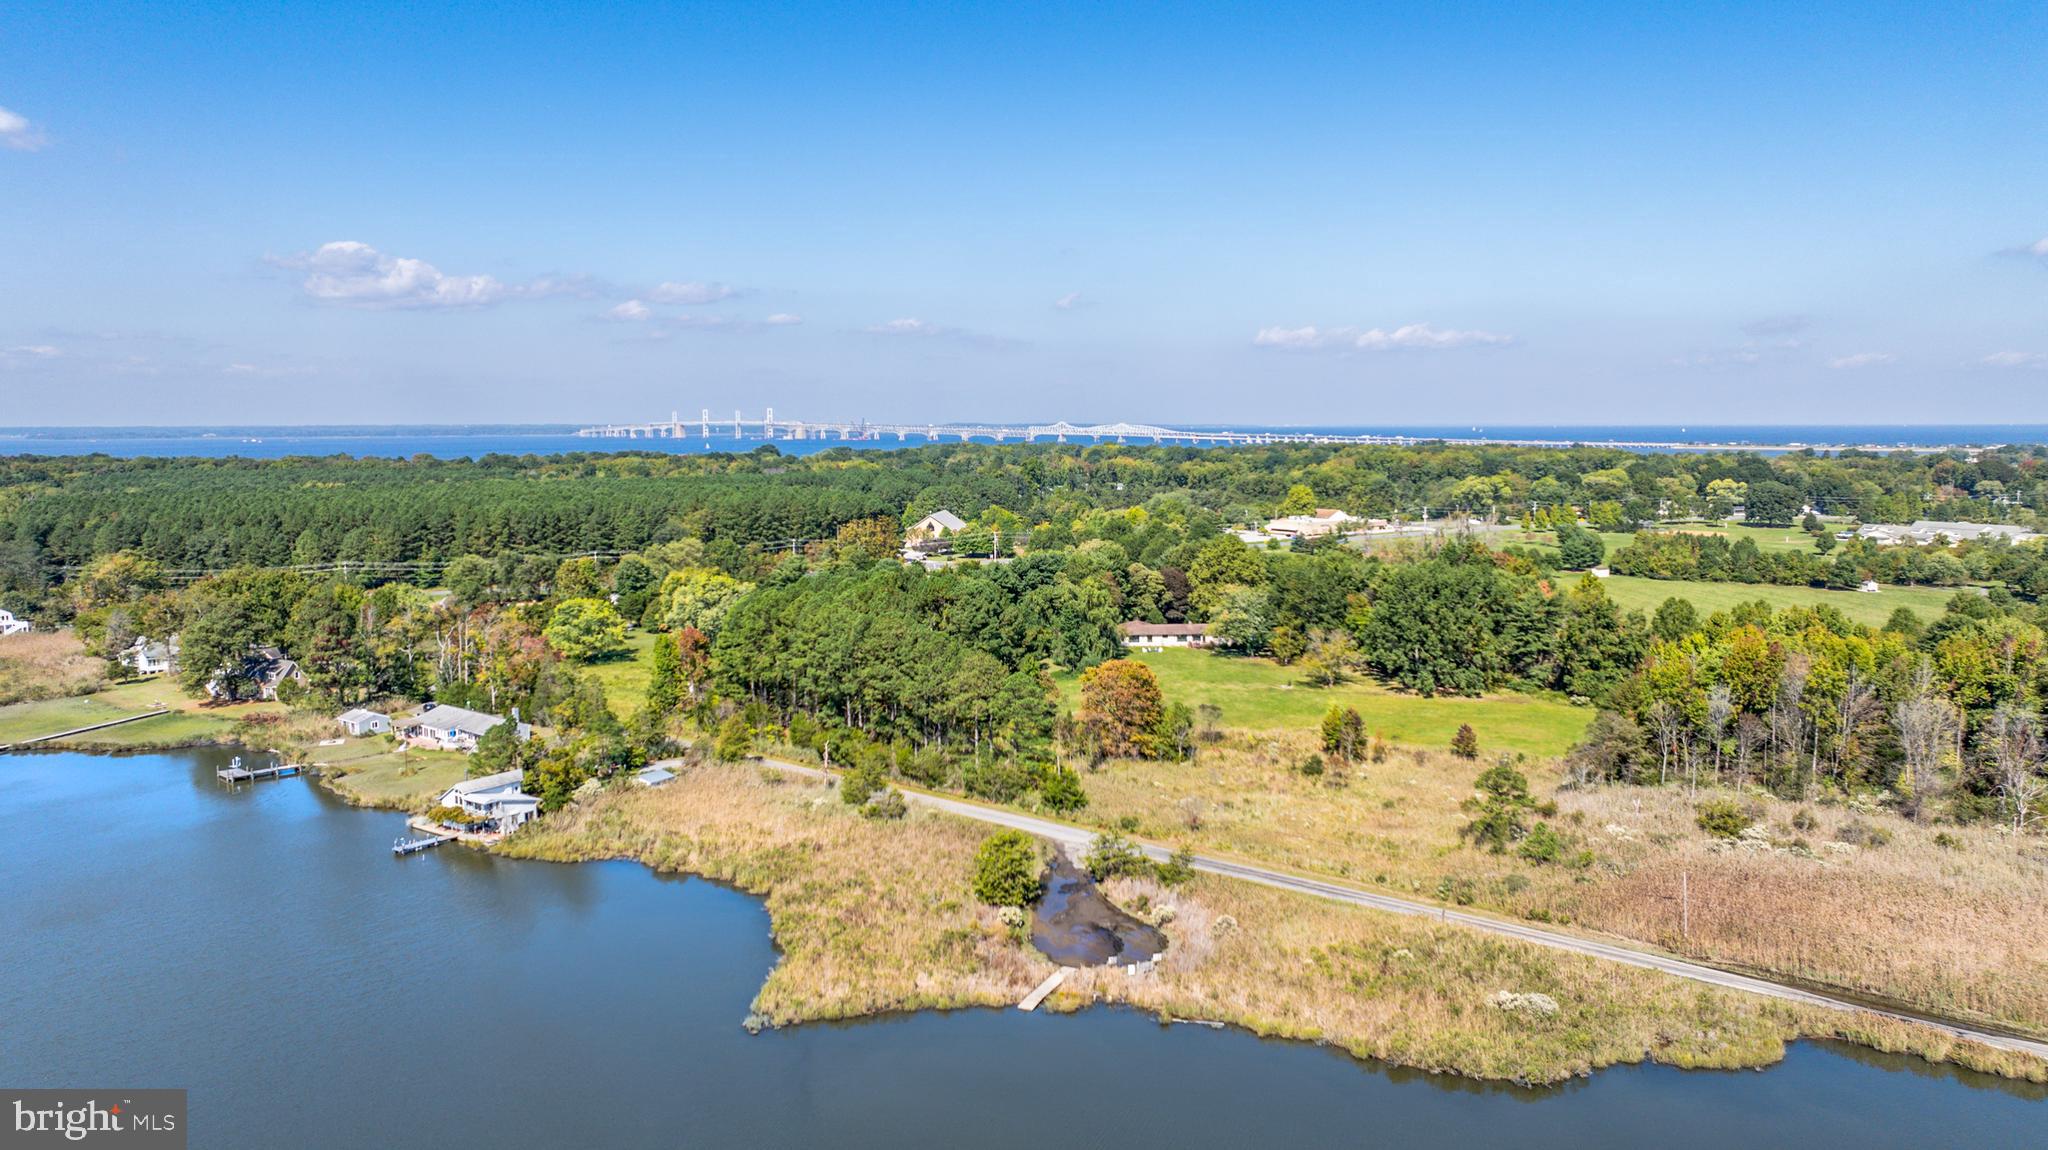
262 948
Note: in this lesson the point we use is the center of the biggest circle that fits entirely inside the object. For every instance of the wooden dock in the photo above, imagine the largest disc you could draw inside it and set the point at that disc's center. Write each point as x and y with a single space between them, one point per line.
403 847
1051 983
235 772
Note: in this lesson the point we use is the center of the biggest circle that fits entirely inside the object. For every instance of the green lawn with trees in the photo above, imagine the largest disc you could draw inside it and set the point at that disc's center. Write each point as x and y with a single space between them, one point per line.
1259 694
1633 593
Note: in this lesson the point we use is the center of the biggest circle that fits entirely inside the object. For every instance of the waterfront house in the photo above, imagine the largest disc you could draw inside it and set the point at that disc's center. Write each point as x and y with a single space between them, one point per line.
445 728
261 673
1159 636
148 657
9 625
496 799
360 722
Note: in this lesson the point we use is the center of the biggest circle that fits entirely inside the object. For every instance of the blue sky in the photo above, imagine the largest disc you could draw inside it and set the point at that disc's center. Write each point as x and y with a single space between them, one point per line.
1333 214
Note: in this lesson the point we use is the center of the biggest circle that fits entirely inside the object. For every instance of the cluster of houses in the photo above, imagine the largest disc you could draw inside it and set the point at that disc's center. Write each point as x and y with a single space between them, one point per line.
1922 532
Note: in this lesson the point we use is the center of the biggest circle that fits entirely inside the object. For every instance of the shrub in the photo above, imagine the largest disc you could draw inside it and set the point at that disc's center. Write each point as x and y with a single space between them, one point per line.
735 740
1312 766
1465 744
888 804
1722 818
1061 791
1803 820
1542 845
1178 869
1114 856
1856 832
861 783
1007 869
1499 809
1946 840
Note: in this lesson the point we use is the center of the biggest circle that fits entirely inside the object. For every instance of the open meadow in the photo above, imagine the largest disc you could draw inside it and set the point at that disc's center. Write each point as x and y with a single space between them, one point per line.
1261 695
1634 593
186 722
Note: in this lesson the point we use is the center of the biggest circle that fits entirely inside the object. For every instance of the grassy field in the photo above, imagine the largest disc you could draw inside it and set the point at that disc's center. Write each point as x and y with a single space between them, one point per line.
1765 538
1259 694
625 678
375 772
47 665
1802 903
188 723
1634 593
874 916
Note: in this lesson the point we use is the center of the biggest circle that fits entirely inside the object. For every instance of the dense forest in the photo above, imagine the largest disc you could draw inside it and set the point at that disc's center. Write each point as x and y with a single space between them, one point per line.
782 613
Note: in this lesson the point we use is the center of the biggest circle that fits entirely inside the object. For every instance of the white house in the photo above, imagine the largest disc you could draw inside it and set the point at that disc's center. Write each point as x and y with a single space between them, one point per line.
1156 636
1869 586
497 799
360 722
446 728
146 657
9 625
1925 531
1323 521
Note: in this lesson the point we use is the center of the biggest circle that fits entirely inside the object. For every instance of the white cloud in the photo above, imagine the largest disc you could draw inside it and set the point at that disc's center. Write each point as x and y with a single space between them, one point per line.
632 311
911 328
915 327
17 133
2036 250
691 293
1863 359
2033 359
36 351
783 319
1407 337
352 274
1778 325
1070 301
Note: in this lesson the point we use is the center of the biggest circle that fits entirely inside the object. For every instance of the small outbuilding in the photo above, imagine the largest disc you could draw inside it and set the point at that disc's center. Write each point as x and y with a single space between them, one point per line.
359 722
653 776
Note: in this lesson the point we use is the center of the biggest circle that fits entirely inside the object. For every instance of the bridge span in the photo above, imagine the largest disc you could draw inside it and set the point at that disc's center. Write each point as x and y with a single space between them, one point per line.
767 427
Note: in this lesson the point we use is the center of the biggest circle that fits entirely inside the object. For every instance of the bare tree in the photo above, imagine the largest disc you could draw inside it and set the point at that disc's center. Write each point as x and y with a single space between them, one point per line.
1858 707
2011 745
1789 719
1750 734
1720 709
1928 727
1668 721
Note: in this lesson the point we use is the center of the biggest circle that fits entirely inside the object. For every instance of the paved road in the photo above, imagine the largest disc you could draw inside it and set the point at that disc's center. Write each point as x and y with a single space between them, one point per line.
1080 838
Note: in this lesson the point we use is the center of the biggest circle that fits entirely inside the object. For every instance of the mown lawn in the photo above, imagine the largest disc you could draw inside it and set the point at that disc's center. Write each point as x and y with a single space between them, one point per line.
1635 593
188 722
625 677
373 772
1259 694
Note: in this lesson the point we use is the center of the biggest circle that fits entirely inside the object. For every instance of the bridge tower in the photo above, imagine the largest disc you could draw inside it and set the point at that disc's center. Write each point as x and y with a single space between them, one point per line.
705 417
768 424
736 423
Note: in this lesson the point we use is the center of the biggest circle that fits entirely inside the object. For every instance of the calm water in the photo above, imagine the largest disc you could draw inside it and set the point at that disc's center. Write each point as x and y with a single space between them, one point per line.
451 443
264 950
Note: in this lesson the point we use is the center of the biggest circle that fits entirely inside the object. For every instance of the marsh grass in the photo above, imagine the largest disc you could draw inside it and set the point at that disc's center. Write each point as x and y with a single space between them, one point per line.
873 917
1951 929
47 665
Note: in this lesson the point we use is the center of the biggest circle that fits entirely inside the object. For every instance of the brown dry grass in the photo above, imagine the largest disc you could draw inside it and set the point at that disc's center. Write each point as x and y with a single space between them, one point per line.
1952 930
876 916
1959 929
47 665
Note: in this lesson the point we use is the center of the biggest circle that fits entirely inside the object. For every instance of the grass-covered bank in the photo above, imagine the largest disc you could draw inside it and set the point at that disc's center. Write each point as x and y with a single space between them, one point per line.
186 723
876 916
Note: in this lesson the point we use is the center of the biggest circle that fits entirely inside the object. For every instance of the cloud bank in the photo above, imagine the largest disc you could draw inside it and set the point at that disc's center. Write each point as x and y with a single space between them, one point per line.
1408 337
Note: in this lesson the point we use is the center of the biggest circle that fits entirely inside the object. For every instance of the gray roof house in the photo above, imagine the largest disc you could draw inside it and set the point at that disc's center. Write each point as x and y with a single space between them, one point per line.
935 525
496 798
454 728
263 671
364 722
